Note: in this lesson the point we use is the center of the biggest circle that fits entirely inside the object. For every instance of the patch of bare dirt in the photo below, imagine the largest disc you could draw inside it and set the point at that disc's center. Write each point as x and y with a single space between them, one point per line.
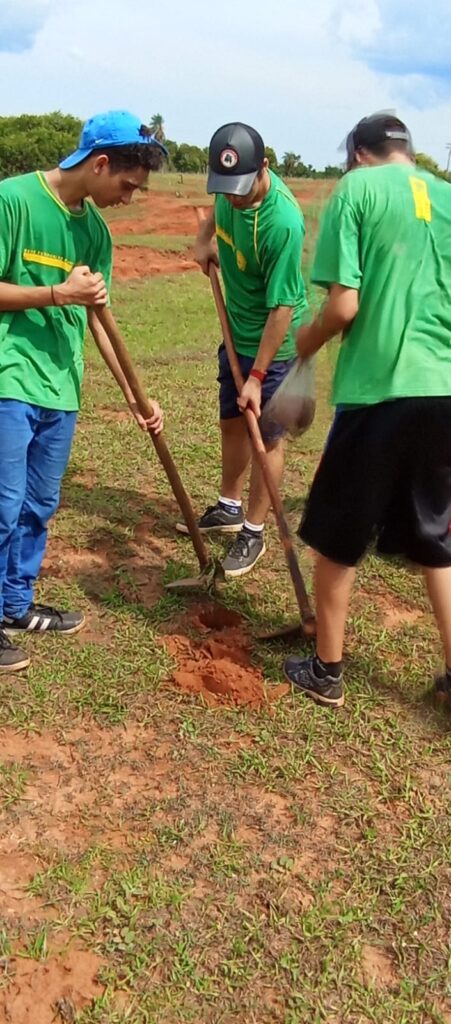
159 214
134 262
377 968
141 557
394 617
16 872
99 781
393 614
43 992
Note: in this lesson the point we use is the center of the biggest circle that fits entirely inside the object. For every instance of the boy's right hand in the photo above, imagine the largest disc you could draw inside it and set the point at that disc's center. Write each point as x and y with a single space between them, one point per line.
81 288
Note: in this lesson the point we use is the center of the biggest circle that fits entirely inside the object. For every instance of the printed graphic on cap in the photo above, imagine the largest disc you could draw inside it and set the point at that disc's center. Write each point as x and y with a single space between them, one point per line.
228 158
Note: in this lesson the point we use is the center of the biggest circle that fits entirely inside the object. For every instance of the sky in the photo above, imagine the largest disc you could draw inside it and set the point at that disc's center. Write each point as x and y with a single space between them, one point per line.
302 72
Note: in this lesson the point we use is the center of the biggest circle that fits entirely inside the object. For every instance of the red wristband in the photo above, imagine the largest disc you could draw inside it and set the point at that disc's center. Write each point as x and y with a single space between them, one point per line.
258 374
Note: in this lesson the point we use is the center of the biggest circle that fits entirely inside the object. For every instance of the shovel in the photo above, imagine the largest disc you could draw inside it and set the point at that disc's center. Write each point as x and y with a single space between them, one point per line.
307 626
211 572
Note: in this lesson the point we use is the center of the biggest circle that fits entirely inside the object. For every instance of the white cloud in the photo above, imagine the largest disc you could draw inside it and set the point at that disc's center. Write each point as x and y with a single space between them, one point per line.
298 75
358 22
20 21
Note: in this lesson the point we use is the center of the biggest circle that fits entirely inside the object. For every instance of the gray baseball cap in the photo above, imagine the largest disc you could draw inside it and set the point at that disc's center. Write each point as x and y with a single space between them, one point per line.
235 157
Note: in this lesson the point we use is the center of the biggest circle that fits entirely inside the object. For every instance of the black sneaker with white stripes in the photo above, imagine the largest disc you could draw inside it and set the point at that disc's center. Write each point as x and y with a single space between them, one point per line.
12 658
216 519
42 618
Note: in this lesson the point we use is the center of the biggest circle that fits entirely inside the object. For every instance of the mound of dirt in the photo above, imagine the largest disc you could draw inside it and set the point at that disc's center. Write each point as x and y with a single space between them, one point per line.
218 665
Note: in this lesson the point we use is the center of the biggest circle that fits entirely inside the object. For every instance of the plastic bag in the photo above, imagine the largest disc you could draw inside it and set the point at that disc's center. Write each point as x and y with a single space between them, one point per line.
293 405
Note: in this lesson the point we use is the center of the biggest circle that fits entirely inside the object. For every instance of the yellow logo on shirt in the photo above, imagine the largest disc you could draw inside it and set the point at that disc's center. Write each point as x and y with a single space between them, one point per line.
241 260
47 259
423 208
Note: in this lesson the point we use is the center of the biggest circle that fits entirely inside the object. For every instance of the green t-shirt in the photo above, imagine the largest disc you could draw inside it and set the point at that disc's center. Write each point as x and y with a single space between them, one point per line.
41 240
260 257
387 232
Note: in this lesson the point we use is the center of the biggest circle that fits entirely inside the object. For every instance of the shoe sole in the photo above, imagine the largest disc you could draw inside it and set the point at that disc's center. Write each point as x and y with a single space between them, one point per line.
326 702
182 528
44 632
18 665
234 573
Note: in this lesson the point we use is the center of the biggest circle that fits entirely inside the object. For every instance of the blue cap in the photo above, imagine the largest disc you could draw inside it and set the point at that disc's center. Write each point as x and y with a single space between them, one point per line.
115 128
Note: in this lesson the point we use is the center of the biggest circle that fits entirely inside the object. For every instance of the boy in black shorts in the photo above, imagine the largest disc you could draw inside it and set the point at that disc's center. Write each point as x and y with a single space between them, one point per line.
384 255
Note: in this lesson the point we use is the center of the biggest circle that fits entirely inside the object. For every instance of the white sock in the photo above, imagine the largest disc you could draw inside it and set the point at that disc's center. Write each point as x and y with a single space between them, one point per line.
252 527
230 503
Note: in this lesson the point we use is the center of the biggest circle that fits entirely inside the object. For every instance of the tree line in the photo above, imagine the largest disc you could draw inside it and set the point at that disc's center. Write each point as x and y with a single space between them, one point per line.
31 141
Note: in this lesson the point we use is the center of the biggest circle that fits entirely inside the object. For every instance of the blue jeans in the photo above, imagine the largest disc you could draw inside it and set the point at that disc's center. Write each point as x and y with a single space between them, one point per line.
35 446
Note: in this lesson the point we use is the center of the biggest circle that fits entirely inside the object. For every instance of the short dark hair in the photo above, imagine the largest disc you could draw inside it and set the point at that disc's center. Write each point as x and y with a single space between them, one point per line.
126 158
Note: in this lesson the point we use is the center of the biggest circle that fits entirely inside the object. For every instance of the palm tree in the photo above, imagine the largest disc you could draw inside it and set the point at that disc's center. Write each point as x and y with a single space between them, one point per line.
290 163
157 127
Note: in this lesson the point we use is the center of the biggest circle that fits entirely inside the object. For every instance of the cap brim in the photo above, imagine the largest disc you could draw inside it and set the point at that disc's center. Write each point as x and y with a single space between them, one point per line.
230 184
75 158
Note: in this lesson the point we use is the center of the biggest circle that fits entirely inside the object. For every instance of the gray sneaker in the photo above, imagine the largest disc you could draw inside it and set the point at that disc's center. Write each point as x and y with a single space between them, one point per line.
216 519
300 672
244 553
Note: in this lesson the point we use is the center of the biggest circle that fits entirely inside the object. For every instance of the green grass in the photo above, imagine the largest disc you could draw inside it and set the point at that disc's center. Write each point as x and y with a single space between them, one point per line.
166 243
285 866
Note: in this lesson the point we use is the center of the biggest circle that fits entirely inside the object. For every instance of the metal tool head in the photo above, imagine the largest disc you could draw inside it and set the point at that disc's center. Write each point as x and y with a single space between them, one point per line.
208 580
294 631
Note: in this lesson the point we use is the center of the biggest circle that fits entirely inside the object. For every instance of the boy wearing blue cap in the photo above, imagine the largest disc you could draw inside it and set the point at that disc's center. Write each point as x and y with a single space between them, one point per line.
55 265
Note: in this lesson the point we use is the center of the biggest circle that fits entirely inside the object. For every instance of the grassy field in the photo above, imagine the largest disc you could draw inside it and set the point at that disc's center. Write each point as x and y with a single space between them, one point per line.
213 865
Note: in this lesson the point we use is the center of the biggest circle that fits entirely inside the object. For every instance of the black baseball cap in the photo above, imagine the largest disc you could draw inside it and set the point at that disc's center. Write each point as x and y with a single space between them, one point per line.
372 131
235 157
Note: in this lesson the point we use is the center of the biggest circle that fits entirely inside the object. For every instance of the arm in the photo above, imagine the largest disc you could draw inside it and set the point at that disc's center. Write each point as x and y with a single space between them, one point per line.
280 262
274 333
337 267
155 423
81 288
336 315
205 248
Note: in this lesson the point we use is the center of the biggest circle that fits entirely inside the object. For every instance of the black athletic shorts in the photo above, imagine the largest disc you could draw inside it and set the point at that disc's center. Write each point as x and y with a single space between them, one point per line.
385 475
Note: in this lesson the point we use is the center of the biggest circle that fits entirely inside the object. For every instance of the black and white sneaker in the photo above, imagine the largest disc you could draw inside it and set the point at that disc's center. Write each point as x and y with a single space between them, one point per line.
244 553
12 658
300 672
216 519
41 618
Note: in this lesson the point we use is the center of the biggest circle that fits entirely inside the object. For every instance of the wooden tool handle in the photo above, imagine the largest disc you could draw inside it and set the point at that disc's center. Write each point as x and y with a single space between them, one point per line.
110 327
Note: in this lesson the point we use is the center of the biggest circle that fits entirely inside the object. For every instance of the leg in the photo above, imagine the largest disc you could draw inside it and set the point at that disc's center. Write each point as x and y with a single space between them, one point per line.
350 494
236 456
48 455
249 545
321 677
438 582
16 433
333 585
259 500
227 515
